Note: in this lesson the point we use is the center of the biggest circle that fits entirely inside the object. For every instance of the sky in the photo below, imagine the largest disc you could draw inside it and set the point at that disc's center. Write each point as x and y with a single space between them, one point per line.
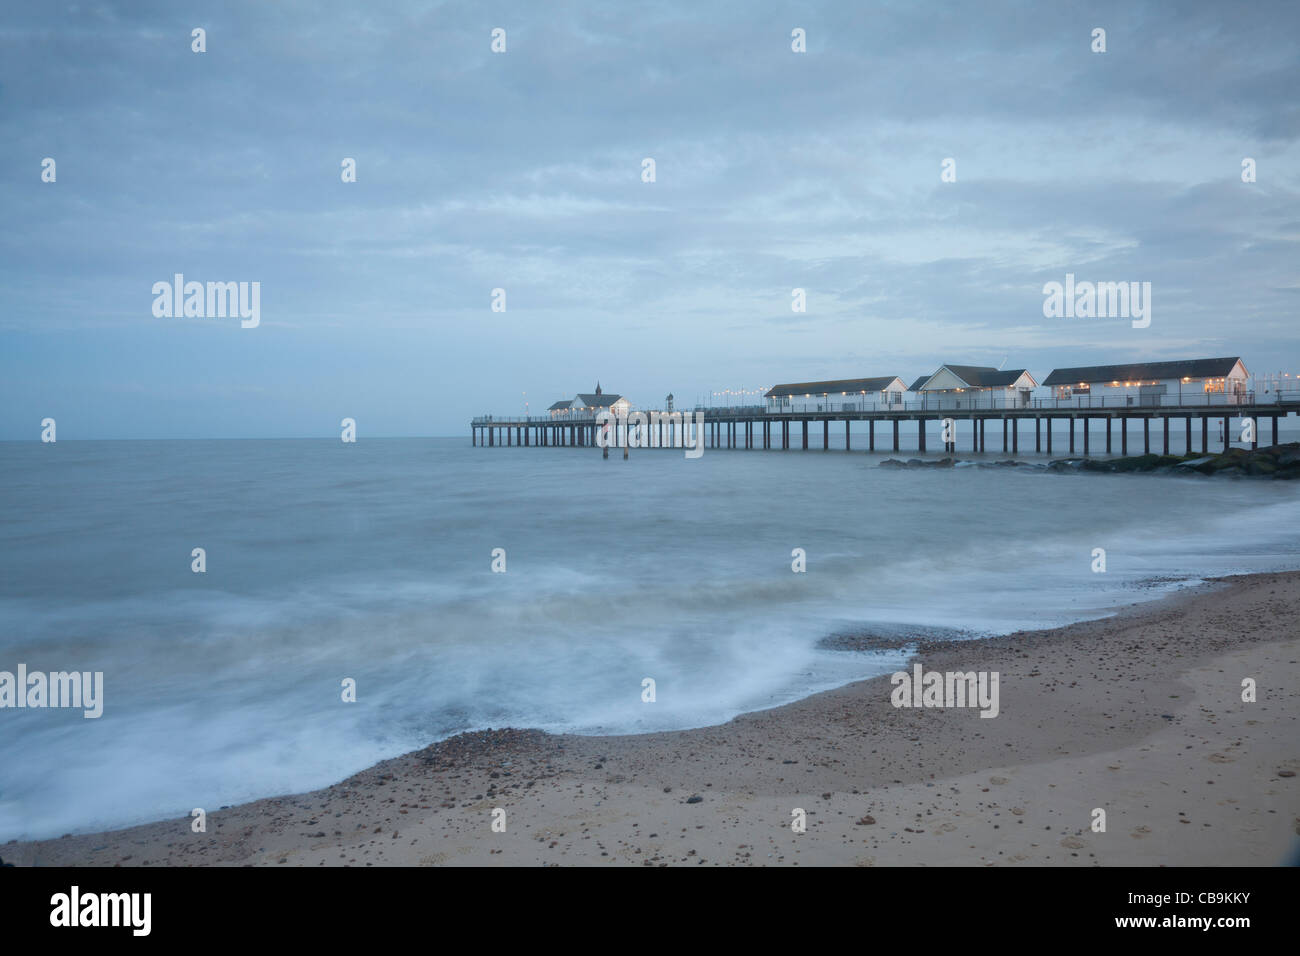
522 170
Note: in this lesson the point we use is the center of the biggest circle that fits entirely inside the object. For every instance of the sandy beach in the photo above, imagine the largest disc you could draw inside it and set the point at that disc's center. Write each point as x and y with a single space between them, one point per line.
1140 715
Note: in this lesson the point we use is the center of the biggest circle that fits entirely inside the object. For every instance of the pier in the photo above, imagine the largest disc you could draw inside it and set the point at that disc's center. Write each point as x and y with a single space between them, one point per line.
755 427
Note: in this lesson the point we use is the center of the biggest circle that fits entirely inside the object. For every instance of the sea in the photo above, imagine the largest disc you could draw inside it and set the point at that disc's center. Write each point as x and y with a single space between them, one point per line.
460 588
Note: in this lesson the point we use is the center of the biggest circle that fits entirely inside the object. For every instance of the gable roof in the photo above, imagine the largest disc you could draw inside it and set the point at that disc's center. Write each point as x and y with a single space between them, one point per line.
598 401
562 403
877 384
1137 371
976 376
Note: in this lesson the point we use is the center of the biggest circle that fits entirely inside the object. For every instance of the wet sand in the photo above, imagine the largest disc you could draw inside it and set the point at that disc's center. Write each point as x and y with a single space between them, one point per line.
1140 715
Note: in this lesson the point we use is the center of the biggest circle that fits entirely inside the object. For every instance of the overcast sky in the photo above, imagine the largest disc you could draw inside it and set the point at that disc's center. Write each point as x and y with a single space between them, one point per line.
522 170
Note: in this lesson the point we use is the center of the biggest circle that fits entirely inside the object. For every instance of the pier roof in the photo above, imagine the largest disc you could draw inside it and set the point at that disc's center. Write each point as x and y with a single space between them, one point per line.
1140 371
877 384
598 401
976 376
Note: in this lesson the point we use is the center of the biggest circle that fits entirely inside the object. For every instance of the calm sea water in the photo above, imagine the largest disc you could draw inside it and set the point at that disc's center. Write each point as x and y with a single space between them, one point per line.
373 561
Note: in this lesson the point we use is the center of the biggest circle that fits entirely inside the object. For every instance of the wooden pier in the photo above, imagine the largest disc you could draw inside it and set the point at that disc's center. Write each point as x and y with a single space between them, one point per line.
753 427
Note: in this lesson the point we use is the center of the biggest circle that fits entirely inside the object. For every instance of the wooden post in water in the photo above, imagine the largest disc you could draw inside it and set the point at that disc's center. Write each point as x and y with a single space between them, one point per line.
1071 419
1165 421
1015 436
1205 435
1123 435
1108 423
895 434
920 434
1085 436
871 434
1146 435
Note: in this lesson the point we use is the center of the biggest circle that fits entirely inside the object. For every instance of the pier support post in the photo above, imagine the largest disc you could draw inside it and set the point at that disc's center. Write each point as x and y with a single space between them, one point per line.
846 436
982 421
475 439
1187 445
1071 434
826 434
1165 422
1108 422
1015 436
1227 439
871 434
1205 435
805 434
1274 429
1123 435
1085 436
975 434
920 434
1146 435
1047 423
1004 436
1038 435
895 434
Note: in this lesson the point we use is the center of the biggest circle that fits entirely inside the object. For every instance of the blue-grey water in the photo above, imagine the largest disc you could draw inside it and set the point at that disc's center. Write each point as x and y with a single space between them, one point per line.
372 561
